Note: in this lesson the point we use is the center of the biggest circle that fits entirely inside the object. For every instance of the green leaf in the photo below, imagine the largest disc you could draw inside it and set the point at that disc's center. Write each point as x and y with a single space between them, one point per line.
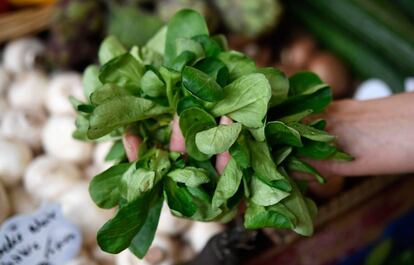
185 44
190 176
240 152
313 208
317 102
201 85
228 183
297 117
109 49
104 186
185 58
279 133
263 192
312 133
258 133
305 83
146 56
117 152
157 42
316 150
214 68
319 124
277 216
211 47
82 125
295 164
118 233
341 156
192 121
152 85
135 182
185 24
237 63
245 100
298 206
107 92
131 25
79 106
278 82
188 102
90 80
144 238
218 139
124 71
280 184
121 111
179 199
281 154
205 212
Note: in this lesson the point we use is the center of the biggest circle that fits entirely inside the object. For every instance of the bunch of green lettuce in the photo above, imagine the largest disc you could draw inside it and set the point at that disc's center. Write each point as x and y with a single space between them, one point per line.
183 71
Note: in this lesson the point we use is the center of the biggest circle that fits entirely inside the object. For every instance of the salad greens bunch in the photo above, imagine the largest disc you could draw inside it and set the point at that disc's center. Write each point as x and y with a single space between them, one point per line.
184 71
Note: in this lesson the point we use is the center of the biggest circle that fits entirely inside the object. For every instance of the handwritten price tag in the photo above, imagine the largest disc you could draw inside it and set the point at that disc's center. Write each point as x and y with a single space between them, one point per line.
43 238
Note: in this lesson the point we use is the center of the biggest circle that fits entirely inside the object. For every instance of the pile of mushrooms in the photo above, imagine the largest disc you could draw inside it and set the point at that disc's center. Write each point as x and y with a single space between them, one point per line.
41 162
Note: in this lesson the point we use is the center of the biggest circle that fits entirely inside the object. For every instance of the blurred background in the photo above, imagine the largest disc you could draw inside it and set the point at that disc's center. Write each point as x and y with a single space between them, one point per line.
362 49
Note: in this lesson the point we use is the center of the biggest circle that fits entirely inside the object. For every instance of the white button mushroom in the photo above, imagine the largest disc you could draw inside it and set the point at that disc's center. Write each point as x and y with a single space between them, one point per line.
61 87
372 89
127 258
47 177
20 55
22 202
171 225
58 141
14 158
28 91
409 84
4 106
4 80
4 204
200 233
24 125
78 207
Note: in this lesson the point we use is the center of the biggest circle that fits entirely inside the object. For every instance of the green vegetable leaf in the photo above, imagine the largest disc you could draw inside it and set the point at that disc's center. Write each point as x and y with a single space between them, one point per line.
276 216
218 139
312 133
264 194
316 150
124 71
118 233
143 239
201 85
279 133
297 117
121 111
278 82
107 92
90 80
205 212
240 152
136 182
211 47
188 102
190 176
104 186
281 154
228 183
295 164
192 121
238 64
179 199
152 85
214 68
305 83
117 152
109 49
245 100
185 44
185 24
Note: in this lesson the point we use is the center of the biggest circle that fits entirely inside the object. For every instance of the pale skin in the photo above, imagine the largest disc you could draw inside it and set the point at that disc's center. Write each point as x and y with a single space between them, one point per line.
379 134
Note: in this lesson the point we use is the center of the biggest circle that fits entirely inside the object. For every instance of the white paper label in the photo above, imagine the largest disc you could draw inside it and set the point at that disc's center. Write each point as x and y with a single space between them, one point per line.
42 238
